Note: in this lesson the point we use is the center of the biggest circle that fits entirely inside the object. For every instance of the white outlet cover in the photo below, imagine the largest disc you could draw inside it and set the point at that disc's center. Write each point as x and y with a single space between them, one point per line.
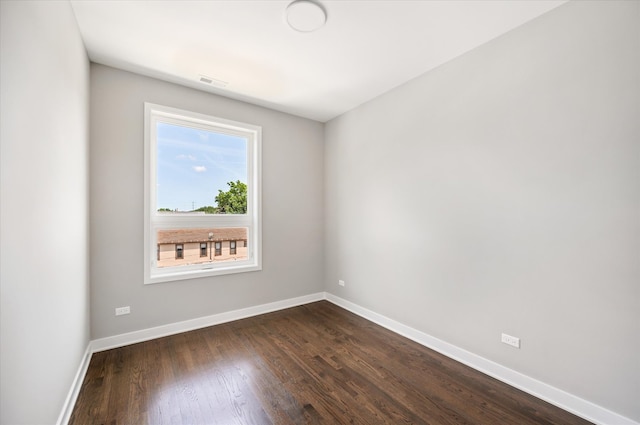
511 340
123 310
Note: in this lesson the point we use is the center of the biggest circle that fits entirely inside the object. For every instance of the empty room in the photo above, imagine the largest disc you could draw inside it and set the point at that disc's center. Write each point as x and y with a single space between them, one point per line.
320 211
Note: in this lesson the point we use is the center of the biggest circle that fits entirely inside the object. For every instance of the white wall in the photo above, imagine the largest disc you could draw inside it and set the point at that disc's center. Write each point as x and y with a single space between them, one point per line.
293 213
500 192
44 100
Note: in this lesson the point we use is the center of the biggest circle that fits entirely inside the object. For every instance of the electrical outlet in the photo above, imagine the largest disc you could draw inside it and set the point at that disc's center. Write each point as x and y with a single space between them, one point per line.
341 282
123 310
511 340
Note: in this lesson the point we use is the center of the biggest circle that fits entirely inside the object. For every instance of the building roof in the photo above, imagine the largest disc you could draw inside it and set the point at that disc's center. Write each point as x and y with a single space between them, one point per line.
202 235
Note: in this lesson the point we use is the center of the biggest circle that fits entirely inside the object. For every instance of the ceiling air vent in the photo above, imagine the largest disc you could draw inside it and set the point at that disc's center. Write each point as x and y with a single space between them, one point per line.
212 81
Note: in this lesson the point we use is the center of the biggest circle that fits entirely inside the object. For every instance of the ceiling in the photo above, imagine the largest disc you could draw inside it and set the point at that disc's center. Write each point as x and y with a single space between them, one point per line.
365 49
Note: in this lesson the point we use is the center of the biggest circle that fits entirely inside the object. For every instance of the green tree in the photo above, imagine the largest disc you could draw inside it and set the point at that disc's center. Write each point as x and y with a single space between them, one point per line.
207 209
233 201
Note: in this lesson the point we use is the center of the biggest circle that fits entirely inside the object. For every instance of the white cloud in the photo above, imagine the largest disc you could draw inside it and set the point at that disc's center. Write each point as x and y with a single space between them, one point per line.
189 157
199 168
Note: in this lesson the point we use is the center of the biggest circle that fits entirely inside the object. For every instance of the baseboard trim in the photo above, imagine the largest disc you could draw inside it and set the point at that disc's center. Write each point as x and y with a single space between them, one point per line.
121 340
573 404
70 401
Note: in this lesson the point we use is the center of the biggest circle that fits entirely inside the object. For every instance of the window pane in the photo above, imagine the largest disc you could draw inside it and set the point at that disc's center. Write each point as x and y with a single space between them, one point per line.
200 171
218 244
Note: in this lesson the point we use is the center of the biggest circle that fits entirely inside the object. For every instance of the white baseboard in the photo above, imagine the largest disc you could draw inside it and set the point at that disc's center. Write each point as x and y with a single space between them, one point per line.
70 401
579 407
121 340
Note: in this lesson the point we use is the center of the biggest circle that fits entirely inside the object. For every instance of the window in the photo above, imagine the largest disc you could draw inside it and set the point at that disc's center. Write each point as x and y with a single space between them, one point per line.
202 188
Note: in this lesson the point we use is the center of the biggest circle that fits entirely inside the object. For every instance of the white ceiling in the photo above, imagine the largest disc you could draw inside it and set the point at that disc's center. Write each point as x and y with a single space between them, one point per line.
365 49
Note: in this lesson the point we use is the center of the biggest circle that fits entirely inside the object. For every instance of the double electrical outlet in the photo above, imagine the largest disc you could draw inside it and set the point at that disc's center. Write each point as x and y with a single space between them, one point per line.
123 310
511 340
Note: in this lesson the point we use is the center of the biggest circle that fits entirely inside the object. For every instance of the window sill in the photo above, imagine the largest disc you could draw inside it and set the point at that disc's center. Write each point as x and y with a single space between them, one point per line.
200 272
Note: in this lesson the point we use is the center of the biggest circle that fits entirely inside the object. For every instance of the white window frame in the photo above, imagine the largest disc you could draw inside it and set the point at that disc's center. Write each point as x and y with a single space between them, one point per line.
153 221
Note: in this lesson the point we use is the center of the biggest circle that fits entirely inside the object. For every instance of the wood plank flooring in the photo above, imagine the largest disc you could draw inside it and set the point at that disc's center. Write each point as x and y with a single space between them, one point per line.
314 364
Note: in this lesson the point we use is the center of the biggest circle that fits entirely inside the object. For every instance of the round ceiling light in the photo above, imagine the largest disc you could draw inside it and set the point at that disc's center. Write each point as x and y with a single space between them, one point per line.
305 16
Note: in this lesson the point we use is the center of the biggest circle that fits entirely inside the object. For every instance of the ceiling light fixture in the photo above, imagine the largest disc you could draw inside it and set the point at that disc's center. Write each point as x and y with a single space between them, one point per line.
305 15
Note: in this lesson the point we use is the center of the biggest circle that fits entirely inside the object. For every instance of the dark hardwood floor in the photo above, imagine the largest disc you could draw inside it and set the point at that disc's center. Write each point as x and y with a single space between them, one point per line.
314 364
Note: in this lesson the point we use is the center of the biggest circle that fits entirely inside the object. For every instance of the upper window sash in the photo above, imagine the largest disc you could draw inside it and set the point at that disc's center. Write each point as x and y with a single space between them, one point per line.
163 114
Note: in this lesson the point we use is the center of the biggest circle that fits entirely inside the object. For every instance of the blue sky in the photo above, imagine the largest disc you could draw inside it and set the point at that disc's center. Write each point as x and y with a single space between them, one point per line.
194 164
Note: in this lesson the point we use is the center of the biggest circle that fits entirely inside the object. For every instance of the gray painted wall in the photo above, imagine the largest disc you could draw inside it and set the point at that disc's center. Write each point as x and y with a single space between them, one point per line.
500 192
44 298
293 224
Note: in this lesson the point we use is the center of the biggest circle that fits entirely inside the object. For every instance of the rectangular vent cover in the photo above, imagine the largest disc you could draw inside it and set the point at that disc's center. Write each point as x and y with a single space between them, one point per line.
212 81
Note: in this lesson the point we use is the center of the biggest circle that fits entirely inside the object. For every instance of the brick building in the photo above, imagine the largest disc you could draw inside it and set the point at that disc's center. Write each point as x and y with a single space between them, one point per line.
195 246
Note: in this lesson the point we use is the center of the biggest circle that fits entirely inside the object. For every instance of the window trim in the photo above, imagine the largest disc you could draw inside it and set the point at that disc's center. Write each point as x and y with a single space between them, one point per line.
153 221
